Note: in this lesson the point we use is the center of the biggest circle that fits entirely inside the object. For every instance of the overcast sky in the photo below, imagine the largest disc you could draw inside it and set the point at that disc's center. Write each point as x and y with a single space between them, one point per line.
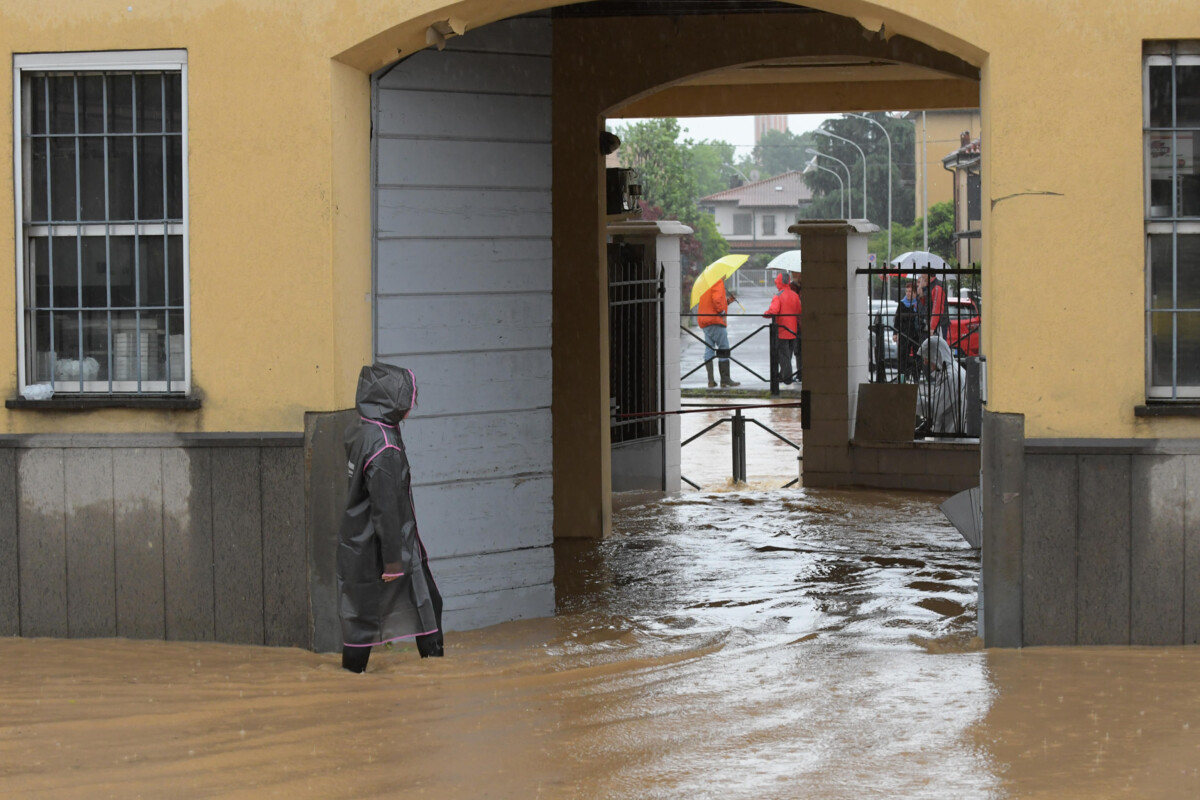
738 131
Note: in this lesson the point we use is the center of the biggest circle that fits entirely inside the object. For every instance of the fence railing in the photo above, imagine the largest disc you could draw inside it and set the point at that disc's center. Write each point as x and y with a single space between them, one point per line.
738 430
930 336
771 329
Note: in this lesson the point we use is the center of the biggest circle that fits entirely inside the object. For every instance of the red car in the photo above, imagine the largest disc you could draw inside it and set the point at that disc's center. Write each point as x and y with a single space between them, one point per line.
964 325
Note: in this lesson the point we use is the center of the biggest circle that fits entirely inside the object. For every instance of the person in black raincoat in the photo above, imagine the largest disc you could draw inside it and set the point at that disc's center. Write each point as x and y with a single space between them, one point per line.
385 589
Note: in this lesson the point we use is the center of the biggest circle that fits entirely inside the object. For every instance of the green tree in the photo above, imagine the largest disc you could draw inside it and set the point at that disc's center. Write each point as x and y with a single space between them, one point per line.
912 237
674 174
826 191
782 151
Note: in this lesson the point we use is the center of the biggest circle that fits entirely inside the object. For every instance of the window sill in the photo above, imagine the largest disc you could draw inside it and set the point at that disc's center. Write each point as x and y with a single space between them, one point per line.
1172 409
83 403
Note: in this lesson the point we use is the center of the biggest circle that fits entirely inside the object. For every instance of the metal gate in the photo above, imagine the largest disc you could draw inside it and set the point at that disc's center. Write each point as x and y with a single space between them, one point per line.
636 375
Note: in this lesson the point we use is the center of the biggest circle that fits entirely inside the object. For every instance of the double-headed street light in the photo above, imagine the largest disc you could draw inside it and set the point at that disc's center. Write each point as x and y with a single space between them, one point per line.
841 184
889 197
819 154
860 155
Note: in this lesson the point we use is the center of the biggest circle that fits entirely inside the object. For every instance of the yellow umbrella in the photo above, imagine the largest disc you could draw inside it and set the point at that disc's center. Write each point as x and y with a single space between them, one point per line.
719 270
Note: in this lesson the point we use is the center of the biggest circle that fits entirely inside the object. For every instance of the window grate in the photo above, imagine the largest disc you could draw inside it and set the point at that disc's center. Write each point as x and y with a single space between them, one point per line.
102 213
1171 133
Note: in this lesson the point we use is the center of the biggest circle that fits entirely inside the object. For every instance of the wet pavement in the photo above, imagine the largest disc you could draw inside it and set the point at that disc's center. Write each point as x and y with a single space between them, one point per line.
737 642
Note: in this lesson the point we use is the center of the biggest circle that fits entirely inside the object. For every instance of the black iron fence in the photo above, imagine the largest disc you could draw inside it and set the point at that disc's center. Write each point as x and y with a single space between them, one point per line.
924 329
738 431
769 331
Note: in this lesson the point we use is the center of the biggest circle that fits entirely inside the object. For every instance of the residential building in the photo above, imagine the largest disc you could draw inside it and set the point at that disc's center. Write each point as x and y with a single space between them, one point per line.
755 216
935 132
963 165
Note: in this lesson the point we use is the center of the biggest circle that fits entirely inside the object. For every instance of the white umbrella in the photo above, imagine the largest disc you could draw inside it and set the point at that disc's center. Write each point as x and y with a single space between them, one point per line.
789 261
919 259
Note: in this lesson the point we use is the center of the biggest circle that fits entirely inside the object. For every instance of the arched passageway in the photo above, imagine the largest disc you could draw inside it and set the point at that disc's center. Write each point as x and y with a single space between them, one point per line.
489 235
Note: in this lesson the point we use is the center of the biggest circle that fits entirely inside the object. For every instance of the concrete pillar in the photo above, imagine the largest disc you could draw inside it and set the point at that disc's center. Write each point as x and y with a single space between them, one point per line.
834 342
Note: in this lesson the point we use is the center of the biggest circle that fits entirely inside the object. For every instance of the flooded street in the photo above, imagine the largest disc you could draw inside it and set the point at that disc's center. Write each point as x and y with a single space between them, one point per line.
753 643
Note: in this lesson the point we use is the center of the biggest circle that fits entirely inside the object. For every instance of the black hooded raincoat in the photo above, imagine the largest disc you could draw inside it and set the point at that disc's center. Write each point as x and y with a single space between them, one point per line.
379 527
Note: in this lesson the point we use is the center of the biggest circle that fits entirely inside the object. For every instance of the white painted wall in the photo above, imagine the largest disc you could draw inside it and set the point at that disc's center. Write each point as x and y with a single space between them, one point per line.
784 216
463 298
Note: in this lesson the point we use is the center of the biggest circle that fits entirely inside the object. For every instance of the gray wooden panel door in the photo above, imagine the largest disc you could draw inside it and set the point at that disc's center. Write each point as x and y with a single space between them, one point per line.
463 298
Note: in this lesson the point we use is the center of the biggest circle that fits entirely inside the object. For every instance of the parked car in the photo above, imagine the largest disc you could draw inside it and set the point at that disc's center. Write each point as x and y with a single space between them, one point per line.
882 313
964 326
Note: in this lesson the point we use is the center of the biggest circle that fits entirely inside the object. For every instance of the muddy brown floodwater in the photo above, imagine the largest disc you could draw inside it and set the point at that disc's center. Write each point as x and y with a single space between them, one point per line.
728 644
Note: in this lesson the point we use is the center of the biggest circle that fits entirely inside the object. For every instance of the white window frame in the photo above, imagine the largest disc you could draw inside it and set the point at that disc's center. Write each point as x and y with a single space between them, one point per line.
107 61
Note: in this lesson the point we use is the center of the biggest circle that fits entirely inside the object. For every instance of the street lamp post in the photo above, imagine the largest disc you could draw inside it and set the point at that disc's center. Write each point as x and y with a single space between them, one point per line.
841 184
861 155
819 154
889 197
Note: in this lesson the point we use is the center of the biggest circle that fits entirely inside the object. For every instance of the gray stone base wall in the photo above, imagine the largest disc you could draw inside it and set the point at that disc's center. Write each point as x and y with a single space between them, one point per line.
1090 541
188 537
924 466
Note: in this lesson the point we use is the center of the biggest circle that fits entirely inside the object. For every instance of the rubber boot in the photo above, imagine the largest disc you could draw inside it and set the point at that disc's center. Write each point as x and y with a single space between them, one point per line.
708 366
725 379
354 659
430 646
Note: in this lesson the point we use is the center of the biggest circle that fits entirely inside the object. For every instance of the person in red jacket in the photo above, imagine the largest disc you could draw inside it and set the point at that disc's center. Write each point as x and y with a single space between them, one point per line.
931 300
713 305
785 309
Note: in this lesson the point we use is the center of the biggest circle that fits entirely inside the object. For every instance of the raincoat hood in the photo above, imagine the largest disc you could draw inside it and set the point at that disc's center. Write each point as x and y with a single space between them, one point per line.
780 282
385 393
937 350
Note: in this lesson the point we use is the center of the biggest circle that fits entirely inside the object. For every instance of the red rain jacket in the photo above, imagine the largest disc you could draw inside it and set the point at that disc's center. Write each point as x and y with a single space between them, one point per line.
786 306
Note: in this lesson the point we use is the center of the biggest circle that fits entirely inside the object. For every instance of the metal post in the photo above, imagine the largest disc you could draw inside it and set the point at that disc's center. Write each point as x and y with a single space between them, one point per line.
739 447
888 136
880 368
774 356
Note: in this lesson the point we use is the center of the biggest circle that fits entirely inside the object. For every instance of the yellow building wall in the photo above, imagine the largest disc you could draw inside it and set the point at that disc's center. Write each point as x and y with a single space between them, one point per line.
937 136
279 192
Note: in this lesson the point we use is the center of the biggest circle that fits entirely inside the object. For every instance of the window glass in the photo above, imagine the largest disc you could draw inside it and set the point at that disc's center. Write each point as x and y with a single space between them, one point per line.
1188 355
1187 96
1162 354
741 225
91 103
149 102
1160 97
62 104
91 178
62 179
120 178
150 186
120 103
768 225
1187 257
1162 272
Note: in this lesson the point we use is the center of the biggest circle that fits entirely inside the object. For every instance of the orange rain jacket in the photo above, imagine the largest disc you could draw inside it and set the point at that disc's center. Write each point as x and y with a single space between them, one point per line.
713 305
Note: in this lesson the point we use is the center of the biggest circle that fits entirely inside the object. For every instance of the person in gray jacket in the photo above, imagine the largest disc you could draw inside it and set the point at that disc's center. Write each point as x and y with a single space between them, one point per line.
941 399
385 589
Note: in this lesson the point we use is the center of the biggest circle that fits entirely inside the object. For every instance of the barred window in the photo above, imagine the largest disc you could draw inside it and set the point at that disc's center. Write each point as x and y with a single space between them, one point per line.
1171 112
742 225
768 225
102 263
